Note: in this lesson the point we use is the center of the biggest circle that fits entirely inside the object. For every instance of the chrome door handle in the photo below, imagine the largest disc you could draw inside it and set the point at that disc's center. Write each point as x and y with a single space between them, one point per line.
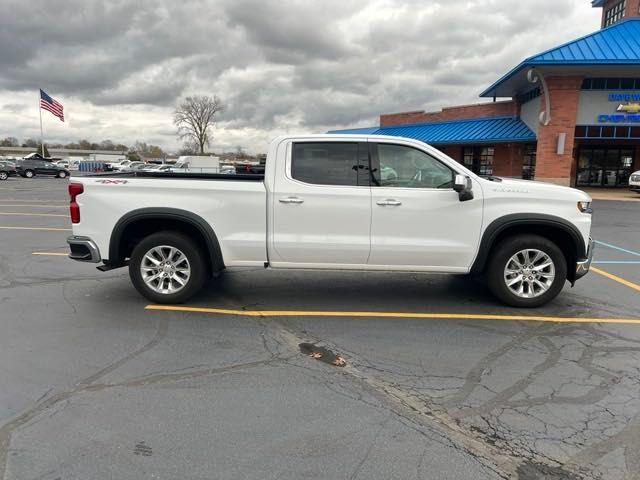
389 203
295 200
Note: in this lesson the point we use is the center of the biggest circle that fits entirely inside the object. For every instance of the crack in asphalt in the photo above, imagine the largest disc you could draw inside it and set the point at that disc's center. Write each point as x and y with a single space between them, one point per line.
89 384
509 455
42 406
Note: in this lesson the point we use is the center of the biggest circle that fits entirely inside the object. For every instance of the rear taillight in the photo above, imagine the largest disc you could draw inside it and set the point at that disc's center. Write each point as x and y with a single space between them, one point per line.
75 189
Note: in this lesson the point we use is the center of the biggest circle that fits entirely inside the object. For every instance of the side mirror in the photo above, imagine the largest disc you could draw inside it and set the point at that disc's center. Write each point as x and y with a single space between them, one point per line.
462 184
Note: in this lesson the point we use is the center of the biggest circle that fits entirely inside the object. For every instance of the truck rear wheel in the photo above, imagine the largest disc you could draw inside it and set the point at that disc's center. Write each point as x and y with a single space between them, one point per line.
167 267
526 271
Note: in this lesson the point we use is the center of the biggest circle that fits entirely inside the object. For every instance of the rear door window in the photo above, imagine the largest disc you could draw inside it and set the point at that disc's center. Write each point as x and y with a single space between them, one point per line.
330 163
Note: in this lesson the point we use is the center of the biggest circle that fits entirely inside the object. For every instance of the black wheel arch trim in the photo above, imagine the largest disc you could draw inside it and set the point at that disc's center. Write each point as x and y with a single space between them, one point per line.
499 225
152 213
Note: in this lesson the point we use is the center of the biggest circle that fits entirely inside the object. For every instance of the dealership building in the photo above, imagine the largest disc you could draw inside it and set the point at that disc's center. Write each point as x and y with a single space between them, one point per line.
573 117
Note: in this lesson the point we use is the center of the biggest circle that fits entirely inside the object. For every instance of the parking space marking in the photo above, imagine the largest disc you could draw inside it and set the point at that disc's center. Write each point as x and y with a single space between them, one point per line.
615 247
616 278
34 206
19 214
51 254
431 316
50 229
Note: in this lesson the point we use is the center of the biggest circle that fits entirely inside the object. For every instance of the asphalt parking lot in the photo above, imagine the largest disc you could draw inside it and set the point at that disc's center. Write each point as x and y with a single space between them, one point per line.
440 380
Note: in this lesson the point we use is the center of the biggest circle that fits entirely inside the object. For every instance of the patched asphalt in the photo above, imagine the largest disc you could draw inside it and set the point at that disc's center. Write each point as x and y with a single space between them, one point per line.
94 386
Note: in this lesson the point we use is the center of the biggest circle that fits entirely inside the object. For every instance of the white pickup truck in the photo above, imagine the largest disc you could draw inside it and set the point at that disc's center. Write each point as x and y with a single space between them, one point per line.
339 202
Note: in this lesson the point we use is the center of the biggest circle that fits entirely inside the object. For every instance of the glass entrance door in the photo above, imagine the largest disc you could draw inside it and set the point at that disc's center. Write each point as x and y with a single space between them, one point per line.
604 166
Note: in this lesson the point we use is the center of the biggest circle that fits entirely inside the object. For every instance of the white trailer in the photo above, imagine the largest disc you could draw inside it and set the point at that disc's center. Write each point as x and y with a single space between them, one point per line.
198 163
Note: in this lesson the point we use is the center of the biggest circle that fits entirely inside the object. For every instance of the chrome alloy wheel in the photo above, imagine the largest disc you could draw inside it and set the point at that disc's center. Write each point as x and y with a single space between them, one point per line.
165 269
529 273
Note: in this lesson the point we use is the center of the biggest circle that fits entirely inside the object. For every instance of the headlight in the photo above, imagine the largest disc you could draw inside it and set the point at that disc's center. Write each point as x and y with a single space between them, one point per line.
585 207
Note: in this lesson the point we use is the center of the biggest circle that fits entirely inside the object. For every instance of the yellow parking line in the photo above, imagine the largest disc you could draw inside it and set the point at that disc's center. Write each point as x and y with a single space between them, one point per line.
433 316
51 254
37 228
616 278
33 214
33 206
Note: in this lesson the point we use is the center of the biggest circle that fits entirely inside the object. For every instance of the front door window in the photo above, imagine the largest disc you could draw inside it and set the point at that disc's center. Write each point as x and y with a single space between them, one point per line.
402 166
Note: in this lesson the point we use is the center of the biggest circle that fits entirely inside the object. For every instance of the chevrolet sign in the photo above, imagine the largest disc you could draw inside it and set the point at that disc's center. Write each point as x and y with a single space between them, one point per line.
628 108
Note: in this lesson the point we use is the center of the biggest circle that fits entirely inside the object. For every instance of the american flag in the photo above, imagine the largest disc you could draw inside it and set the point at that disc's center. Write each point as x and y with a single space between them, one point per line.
51 105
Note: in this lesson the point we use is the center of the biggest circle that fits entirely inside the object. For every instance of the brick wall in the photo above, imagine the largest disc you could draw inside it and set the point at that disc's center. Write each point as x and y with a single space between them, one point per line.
454 151
507 161
480 110
550 166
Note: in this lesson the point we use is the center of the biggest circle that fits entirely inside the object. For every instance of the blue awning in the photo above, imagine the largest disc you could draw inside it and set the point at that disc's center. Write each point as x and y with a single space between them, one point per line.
467 131
617 45
364 131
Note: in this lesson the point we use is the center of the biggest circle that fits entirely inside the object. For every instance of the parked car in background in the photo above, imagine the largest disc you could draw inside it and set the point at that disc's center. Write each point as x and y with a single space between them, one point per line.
250 168
121 166
62 164
116 165
8 163
133 166
7 169
158 168
30 167
634 182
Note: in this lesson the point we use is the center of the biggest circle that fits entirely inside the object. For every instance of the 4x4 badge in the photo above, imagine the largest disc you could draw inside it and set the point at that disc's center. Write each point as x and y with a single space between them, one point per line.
107 181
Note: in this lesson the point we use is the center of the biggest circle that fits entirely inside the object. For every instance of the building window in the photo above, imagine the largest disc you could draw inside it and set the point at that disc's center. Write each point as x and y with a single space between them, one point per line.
479 160
611 84
530 95
604 166
615 13
601 131
529 162
467 158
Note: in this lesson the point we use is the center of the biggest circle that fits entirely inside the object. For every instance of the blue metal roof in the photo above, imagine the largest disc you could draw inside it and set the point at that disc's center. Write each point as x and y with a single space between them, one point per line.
597 3
618 44
365 131
473 130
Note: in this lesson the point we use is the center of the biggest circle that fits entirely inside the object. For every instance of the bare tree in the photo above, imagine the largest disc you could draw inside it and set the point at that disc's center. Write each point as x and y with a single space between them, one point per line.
195 117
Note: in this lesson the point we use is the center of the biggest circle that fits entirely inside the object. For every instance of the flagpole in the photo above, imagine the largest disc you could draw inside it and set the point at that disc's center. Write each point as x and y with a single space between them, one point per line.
41 134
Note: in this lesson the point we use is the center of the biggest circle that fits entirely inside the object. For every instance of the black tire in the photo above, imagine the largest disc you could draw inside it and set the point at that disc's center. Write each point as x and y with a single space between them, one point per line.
4 175
29 174
508 247
61 174
188 247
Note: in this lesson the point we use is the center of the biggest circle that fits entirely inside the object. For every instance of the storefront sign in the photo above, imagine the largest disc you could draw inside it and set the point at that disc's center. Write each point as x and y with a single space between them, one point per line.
628 109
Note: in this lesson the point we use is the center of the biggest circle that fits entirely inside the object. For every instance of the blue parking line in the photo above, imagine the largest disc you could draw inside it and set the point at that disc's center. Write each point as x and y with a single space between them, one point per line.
615 247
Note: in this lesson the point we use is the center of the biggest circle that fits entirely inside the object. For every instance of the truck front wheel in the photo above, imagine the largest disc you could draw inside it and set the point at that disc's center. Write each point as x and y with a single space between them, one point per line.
526 271
167 267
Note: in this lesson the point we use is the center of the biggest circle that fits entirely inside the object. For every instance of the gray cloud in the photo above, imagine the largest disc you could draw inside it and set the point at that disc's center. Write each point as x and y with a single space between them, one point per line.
280 65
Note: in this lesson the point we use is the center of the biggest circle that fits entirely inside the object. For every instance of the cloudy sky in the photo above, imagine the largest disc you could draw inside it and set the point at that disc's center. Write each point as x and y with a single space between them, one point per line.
120 67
